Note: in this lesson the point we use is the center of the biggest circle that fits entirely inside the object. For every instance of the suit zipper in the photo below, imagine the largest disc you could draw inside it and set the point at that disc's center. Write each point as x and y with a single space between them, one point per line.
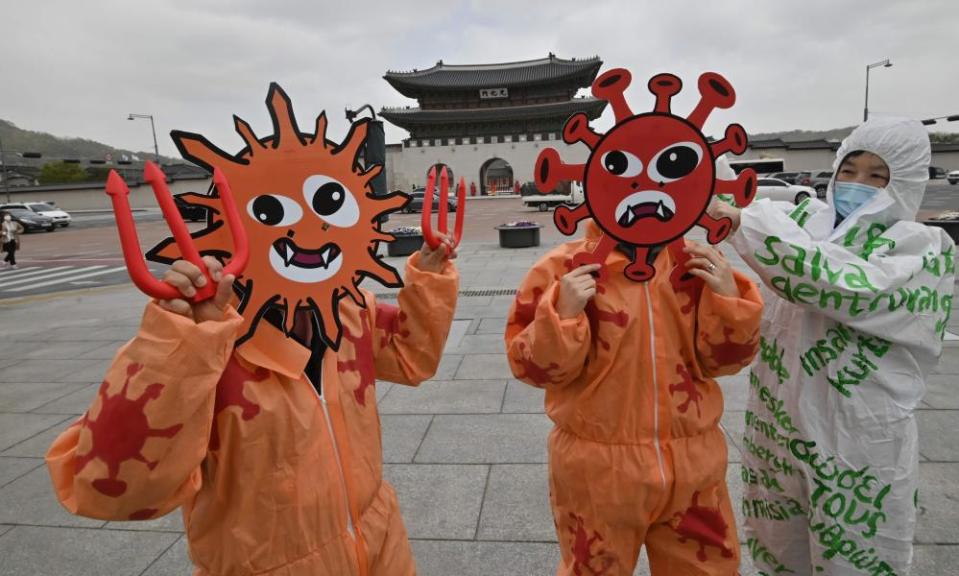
652 354
339 463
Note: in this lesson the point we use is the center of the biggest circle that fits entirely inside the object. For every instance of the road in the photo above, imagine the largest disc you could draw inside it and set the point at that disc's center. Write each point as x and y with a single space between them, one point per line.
87 254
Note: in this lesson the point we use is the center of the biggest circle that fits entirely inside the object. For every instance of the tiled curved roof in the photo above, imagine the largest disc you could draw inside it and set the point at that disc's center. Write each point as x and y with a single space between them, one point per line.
408 117
455 77
813 145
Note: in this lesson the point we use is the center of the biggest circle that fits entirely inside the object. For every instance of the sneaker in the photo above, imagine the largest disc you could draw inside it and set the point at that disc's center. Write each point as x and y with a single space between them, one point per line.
14 266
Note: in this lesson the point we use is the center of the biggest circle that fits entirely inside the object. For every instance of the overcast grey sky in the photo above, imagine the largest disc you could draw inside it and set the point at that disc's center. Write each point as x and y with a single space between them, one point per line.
78 68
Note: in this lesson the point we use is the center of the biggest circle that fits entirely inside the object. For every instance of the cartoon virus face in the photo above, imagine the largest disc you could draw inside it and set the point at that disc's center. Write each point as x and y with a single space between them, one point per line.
650 178
309 212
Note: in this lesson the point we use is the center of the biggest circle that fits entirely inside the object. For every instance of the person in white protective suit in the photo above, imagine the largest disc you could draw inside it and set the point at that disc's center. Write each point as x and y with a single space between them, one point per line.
857 298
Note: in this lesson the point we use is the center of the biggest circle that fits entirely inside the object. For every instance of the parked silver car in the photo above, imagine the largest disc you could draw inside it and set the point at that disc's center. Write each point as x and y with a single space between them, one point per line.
776 189
47 209
820 181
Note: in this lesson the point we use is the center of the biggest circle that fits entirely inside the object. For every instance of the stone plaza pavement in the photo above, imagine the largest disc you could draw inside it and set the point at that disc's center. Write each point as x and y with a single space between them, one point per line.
466 451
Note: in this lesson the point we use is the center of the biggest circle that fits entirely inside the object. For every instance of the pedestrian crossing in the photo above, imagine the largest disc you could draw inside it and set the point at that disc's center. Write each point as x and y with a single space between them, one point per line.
28 279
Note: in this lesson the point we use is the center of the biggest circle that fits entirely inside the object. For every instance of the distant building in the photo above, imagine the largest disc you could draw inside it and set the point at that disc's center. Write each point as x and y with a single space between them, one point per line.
487 122
819 154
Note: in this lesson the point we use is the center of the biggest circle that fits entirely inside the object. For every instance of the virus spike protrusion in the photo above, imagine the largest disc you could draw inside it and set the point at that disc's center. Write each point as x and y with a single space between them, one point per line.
743 188
664 86
599 255
319 132
716 228
611 87
716 92
211 203
284 123
354 141
246 132
550 169
577 130
354 293
199 150
639 270
734 141
372 172
567 219
388 204
387 273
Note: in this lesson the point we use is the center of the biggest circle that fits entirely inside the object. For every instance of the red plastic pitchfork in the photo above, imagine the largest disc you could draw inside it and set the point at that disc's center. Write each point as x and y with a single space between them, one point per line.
432 239
136 264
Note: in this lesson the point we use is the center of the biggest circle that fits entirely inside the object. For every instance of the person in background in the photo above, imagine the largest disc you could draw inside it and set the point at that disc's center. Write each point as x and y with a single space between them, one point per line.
10 232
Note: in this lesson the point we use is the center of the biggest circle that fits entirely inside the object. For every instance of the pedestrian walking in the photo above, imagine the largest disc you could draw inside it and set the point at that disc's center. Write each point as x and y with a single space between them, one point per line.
10 232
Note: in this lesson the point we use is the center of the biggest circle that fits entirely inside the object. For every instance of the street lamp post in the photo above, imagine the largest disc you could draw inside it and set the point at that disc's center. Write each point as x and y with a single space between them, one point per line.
156 149
885 64
3 175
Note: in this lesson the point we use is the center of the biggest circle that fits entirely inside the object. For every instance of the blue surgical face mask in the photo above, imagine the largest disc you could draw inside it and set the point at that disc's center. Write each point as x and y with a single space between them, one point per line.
848 196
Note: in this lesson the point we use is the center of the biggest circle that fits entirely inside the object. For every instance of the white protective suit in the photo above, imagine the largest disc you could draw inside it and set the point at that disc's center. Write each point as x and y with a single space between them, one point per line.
854 322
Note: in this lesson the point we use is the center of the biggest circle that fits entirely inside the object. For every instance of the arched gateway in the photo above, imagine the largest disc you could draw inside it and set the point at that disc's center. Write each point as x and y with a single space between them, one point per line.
487 122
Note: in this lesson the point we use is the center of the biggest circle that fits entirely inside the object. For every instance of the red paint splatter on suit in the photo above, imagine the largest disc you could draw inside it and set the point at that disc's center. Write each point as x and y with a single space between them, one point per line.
582 549
688 386
618 318
728 353
362 363
229 392
390 319
120 431
703 525
539 375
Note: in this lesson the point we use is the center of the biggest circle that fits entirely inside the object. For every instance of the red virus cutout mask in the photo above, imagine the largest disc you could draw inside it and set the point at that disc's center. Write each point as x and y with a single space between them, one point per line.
311 218
650 178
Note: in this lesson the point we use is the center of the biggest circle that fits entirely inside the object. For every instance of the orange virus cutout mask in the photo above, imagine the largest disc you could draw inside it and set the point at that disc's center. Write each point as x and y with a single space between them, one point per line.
311 219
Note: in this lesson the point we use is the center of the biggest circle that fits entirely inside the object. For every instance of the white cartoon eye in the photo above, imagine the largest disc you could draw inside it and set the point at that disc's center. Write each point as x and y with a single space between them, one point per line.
674 162
274 210
620 163
331 201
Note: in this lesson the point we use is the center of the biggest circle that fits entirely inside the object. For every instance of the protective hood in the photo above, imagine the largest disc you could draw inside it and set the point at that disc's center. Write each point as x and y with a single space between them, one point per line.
903 144
853 323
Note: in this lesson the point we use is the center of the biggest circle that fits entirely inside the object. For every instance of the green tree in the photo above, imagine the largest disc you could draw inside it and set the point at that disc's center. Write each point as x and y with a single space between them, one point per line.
944 137
97 173
62 172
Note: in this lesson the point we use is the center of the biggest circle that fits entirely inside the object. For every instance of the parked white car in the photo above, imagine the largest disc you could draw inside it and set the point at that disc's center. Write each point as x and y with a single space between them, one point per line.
953 177
59 217
776 189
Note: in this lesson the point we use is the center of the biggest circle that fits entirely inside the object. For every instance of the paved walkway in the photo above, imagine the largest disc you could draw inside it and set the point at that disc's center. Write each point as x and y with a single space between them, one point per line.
466 451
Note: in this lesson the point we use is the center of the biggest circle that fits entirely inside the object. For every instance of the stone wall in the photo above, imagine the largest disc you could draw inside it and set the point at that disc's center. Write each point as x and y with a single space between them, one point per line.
94 198
407 166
